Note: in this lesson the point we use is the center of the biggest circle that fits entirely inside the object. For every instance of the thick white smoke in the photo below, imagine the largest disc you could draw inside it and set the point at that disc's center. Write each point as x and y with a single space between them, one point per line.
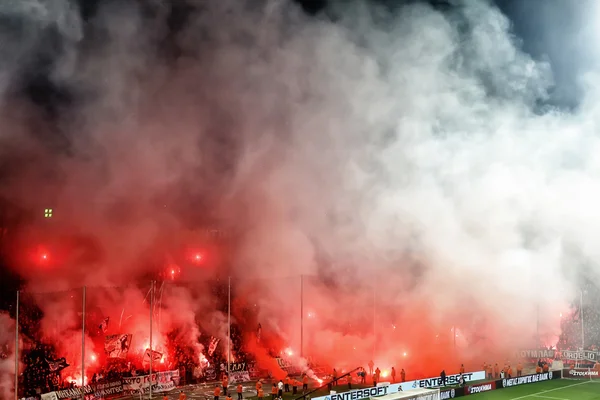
396 158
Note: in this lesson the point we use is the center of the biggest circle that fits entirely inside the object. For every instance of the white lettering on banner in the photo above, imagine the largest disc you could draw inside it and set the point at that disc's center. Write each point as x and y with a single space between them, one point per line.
142 383
75 392
481 388
437 381
580 355
49 396
523 380
542 353
359 394
448 394
108 389
563 355
579 372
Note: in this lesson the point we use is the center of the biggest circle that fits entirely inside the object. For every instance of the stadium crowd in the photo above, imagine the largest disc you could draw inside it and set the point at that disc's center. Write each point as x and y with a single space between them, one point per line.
42 366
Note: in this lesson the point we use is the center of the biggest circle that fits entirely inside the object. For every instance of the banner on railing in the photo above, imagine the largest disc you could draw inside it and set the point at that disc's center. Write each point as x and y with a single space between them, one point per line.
239 376
160 381
237 367
567 355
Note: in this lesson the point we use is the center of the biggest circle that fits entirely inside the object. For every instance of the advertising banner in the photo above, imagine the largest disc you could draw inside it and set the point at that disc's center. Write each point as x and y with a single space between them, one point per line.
452 393
451 380
359 394
482 387
580 373
527 379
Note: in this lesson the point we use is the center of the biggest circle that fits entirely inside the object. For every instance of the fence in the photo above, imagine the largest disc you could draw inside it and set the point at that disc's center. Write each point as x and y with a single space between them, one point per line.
152 336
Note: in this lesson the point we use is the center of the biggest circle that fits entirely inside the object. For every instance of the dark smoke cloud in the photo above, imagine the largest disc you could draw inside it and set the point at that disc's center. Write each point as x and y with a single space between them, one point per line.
396 156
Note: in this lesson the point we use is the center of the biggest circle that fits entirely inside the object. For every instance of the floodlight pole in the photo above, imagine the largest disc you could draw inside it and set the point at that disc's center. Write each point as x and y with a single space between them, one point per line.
17 349
374 316
83 344
454 335
228 325
151 351
582 324
537 319
301 315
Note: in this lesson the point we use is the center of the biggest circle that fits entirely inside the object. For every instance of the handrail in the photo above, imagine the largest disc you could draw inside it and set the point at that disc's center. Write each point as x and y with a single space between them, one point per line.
327 384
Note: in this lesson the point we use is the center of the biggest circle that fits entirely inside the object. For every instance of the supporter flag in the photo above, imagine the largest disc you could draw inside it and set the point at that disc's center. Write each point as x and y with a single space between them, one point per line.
117 346
57 365
576 313
156 357
104 325
258 333
212 347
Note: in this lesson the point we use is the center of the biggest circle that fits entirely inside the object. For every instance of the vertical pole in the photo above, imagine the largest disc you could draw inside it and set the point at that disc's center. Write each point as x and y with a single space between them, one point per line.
151 348
537 332
454 334
301 315
228 325
582 325
83 343
17 349
374 318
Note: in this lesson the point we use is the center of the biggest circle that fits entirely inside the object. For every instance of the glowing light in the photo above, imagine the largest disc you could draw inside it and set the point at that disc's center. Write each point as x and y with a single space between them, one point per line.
320 380
384 374
172 272
93 357
404 354
311 315
393 326
560 315
44 256
289 352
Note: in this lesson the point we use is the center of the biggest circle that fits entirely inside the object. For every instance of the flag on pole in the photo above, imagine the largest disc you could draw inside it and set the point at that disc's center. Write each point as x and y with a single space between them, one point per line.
258 333
57 365
117 346
104 325
212 347
156 357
